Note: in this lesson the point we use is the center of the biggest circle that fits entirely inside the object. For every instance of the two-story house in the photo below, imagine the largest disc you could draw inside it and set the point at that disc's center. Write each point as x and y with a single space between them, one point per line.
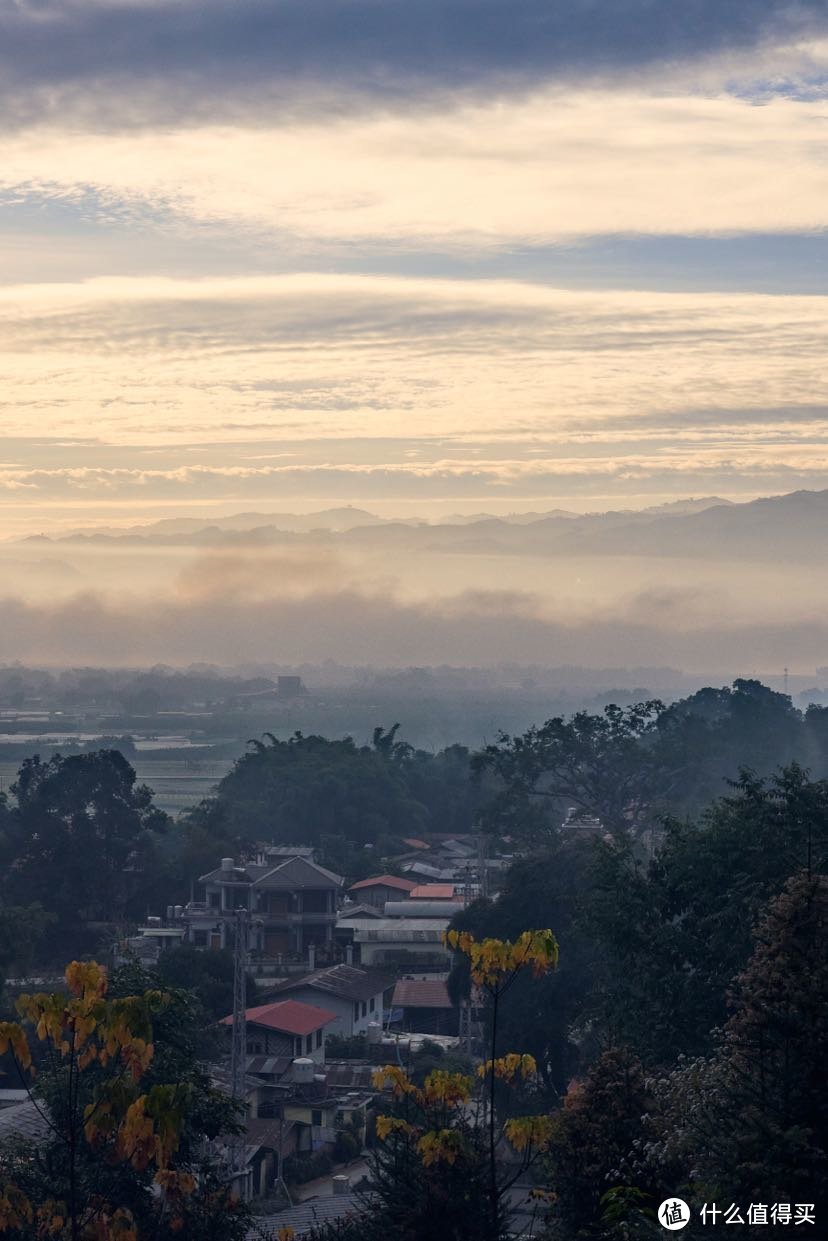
292 906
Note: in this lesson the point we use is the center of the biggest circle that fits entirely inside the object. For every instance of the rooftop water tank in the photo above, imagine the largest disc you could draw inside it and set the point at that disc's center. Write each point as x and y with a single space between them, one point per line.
303 1070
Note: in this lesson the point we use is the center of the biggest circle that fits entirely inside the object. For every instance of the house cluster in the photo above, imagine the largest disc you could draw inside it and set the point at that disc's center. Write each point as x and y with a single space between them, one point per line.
296 1099
330 962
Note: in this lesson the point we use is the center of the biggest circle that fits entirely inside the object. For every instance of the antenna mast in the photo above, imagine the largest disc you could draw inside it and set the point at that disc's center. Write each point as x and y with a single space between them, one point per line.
238 1050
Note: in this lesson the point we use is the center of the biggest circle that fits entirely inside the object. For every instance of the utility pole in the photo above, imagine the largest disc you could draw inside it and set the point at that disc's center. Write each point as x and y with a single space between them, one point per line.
238 1049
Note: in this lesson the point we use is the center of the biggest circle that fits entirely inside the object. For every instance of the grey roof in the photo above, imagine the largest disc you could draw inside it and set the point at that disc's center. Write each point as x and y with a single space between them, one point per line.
422 909
346 981
262 1131
268 1066
24 1120
349 1075
292 873
305 1216
298 872
359 911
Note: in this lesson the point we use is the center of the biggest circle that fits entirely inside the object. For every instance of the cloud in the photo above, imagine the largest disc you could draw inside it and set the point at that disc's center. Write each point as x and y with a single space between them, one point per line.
163 60
317 387
375 628
553 166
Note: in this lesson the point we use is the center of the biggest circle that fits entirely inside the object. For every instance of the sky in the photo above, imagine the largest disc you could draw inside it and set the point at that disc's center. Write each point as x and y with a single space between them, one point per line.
430 257
434 257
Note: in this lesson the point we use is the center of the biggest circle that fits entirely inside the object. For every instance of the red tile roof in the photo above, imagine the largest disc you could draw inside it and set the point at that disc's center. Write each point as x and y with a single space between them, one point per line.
432 892
413 993
385 881
288 1017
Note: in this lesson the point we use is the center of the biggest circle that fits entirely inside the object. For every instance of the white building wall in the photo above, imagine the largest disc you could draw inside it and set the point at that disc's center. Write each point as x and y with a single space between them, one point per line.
348 1022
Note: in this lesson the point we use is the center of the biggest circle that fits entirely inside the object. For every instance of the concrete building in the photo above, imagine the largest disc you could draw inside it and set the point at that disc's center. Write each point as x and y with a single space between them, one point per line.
292 903
354 995
407 943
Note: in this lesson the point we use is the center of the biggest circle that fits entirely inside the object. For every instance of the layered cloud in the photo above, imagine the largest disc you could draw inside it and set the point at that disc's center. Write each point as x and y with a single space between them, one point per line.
545 168
202 57
319 139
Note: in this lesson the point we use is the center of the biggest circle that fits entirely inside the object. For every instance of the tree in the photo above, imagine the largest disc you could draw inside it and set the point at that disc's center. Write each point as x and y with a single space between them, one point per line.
540 1016
22 930
603 765
670 936
303 789
590 1137
83 839
750 1123
118 1160
449 1149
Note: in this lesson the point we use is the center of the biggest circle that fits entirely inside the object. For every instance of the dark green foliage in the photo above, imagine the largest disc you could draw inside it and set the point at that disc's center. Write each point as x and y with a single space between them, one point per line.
670 936
298 791
750 1123
22 930
538 1016
629 766
84 840
593 1133
604 765
209 975
297 1169
343 1047
432 1056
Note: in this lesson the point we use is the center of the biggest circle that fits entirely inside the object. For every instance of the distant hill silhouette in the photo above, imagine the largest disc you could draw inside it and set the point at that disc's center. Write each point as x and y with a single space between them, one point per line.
788 527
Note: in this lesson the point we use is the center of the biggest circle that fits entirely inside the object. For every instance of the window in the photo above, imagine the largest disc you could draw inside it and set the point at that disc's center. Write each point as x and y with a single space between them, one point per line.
373 1004
214 900
297 1047
318 1038
364 1009
316 1116
356 1010
309 1043
200 939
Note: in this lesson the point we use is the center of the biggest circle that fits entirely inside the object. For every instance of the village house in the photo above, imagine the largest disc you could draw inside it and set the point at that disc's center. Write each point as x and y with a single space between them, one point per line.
379 889
286 1028
354 995
292 904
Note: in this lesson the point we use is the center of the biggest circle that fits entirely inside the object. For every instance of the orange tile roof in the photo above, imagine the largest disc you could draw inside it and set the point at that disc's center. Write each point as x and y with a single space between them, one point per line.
288 1017
385 881
417 993
432 892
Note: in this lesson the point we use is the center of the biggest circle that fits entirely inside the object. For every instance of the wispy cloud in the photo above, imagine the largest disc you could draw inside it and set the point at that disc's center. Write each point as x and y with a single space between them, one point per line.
549 167
344 386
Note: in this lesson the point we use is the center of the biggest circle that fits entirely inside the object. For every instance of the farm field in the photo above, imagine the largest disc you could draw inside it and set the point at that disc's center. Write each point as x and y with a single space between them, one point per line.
177 783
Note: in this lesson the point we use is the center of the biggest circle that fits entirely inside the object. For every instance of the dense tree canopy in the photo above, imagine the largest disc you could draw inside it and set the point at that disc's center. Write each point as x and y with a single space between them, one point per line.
333 794
83 841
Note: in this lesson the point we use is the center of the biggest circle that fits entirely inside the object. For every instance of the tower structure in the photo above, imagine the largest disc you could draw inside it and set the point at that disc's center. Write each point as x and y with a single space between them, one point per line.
238 1049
